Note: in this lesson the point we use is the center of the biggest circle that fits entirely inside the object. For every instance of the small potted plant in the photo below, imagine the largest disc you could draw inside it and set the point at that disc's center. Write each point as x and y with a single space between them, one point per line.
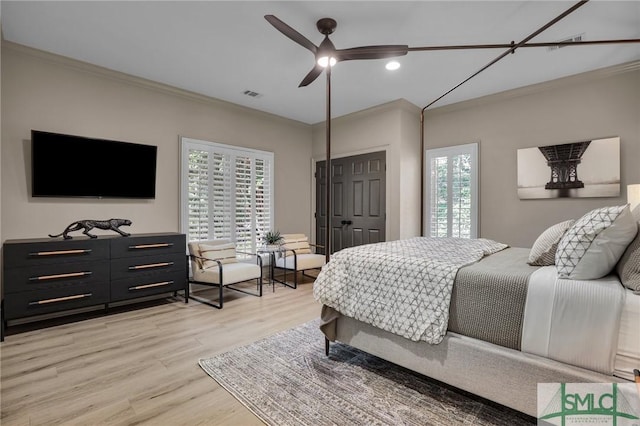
272 240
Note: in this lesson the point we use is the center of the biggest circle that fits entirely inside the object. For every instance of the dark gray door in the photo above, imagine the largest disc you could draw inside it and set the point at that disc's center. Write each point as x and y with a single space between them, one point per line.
357 201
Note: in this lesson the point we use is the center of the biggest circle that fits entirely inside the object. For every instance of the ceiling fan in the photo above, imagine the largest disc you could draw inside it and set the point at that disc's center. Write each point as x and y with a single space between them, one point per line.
326 54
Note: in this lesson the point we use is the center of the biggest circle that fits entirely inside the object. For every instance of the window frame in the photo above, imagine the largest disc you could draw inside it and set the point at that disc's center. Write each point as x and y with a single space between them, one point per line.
188 144
449 151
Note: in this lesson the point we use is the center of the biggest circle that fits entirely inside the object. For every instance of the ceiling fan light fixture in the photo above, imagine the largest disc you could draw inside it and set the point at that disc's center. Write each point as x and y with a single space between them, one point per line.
392 65
325 61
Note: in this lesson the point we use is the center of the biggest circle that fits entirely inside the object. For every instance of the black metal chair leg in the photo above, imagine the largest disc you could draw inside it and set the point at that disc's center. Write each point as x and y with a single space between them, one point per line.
326 346
205 301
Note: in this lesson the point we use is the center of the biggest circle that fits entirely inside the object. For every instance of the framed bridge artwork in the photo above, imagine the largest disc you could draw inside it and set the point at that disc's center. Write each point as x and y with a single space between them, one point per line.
579 169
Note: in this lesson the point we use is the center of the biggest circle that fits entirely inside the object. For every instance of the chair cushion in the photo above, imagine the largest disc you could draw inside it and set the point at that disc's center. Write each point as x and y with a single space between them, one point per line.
231 273
297 242
305 261
225 253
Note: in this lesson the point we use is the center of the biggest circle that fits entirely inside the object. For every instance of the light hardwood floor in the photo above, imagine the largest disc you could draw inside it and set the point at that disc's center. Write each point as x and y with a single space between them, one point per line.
140 366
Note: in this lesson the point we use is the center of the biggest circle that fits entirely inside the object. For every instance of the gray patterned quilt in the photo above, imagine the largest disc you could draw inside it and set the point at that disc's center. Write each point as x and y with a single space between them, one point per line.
403 286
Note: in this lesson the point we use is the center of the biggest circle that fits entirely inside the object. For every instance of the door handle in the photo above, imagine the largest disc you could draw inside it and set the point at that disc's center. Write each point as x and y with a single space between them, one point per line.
346 222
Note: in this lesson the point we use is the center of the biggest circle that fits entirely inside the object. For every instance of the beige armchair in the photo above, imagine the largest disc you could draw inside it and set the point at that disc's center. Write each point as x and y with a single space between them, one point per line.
297 256
214 263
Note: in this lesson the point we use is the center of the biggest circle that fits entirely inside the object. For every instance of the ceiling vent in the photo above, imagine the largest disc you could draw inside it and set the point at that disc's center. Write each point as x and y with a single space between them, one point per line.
252 94
573 39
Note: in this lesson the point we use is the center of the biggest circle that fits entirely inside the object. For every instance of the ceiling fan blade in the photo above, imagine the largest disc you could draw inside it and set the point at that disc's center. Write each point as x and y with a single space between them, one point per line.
291 33
372 52
313 74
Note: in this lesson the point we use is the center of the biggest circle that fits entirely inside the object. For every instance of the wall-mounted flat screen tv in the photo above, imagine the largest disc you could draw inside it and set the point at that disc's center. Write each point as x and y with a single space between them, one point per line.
74 166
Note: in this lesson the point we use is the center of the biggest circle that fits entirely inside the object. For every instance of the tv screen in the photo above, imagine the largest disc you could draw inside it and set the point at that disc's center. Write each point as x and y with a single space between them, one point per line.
74 166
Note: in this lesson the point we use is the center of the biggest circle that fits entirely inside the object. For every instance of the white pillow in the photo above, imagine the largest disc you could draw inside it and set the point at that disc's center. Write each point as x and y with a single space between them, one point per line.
543 252
593 245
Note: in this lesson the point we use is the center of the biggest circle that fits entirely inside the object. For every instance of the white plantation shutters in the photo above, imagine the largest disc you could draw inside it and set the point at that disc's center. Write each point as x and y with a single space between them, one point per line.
198 195
220 200
244 202
227 193
451 187
263 196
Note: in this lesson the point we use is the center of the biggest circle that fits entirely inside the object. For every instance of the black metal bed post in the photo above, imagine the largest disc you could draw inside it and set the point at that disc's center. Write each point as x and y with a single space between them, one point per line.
422 174
327 245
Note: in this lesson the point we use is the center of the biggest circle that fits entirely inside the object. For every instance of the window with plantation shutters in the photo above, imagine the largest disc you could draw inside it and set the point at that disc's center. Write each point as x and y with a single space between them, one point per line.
226 193
451 191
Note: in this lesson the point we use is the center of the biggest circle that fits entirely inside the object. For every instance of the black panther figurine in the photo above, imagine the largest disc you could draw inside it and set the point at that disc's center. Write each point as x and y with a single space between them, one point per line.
88 225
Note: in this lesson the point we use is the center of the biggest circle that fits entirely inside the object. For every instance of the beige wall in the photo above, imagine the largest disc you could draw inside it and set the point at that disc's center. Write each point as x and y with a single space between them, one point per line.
46 92
394 128
50 93
409 167
583 107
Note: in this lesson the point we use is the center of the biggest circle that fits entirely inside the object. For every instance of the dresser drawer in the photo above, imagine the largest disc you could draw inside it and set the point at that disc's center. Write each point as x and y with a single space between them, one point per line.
148 245
47 275
39 277
141 265
38 302
54 252
147 285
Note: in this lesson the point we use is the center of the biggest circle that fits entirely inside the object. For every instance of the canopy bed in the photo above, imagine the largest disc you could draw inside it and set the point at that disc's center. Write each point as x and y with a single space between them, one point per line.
480 318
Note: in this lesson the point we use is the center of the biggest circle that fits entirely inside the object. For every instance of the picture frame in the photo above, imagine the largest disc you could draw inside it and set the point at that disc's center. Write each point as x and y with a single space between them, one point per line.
572 170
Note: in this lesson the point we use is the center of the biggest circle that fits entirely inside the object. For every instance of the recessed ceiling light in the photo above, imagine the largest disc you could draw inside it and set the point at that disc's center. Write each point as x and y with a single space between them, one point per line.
393 65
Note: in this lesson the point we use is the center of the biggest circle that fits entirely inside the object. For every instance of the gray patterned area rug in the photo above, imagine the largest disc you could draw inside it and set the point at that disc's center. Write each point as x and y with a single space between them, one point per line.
286 379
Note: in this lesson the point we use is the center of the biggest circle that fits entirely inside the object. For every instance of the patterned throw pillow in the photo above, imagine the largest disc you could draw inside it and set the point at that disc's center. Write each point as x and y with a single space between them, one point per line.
591 248
629 266
543 252
225 253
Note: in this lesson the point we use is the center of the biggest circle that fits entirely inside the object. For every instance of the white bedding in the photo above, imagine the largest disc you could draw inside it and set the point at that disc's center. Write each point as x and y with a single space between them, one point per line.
628 354
571 320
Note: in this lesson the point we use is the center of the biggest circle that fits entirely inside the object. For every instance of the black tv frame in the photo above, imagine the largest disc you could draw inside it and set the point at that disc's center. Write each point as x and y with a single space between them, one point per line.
84 167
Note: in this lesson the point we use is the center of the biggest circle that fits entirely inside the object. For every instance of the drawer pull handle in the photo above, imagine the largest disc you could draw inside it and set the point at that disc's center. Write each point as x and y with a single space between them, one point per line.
148 246
60 299
142 287
60 252
150 265
57 276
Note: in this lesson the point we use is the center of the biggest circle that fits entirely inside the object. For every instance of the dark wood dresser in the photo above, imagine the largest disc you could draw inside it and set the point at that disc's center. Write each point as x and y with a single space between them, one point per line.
41 276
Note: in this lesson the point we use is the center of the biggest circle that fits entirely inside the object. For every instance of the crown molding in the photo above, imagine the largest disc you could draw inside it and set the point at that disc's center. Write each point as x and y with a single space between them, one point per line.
398 104
141 82
574 79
